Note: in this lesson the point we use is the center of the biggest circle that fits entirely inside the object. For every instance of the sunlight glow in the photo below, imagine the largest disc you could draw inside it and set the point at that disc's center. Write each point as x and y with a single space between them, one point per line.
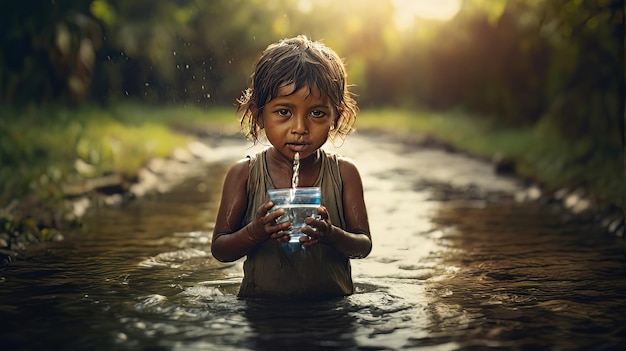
408 10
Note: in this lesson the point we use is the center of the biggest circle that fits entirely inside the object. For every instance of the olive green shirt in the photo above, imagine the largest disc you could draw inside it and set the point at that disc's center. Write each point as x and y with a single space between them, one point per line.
274 269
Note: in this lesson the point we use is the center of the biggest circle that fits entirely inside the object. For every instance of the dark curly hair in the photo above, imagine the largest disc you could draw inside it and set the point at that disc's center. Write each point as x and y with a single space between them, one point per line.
302 62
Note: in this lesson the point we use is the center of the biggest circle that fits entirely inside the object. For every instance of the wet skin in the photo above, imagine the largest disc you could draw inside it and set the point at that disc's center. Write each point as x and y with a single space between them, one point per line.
294 122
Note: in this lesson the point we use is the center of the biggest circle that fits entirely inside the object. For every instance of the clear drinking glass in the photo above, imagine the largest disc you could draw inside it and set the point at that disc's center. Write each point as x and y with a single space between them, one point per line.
298 203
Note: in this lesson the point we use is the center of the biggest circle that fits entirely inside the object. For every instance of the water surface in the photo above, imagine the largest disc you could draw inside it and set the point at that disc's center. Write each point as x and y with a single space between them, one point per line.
457 264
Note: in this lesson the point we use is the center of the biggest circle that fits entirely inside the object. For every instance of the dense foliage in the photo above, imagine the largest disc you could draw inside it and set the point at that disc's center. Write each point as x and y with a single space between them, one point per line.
515 60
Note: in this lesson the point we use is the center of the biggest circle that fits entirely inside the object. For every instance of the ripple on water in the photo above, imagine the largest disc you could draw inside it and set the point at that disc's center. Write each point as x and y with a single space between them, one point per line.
173 259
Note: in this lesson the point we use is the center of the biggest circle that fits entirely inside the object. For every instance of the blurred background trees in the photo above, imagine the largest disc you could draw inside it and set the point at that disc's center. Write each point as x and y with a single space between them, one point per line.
555 64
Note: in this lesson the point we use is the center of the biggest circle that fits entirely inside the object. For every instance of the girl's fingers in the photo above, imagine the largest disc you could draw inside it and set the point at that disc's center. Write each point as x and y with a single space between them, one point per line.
308 241
262 211
322 212
280 236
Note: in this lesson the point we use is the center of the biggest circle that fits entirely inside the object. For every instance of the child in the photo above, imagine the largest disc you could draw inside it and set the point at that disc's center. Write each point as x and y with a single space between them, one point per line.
299 98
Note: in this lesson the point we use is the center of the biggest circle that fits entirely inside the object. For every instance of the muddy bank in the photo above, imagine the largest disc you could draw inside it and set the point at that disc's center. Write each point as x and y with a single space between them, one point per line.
428 163
30 220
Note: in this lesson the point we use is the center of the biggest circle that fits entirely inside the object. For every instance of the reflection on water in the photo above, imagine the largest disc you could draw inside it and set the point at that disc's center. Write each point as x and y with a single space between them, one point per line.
463 274
527 277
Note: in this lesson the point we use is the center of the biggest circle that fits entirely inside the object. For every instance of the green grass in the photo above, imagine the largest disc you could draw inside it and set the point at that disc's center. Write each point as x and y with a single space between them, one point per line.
540 153
39 146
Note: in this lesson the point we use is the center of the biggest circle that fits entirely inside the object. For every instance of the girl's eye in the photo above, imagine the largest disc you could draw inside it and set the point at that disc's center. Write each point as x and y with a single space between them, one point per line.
283 112
317 114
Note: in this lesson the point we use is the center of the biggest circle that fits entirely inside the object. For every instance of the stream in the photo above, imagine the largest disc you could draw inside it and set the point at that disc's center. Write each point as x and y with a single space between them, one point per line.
459 263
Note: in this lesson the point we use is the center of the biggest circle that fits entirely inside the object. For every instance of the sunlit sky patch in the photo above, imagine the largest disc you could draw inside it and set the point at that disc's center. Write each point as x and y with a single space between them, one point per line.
407 10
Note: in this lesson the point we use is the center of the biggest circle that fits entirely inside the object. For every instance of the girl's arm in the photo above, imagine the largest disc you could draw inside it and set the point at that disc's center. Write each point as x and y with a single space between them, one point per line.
231 241
355 241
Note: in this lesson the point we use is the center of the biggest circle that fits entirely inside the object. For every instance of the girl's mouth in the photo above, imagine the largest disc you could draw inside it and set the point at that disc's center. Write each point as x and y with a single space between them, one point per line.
296 147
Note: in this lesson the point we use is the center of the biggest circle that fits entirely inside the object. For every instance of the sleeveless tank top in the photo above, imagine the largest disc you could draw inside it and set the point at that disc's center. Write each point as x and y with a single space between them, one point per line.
271 270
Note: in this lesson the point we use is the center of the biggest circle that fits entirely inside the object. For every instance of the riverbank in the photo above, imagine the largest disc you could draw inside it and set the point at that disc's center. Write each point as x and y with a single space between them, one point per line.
116 156
538 153
32 219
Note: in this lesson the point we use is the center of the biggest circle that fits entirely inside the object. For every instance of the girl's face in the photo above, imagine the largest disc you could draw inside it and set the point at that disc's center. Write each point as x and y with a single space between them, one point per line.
298 122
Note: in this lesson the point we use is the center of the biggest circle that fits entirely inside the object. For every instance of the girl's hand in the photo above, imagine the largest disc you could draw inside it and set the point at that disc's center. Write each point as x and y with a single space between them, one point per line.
319 229
265 226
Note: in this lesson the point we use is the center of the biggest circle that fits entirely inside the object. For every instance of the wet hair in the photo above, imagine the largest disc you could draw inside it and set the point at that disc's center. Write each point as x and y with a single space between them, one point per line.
303 63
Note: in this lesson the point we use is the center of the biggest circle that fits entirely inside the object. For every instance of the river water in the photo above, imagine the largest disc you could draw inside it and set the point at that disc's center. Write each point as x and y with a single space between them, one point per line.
458 264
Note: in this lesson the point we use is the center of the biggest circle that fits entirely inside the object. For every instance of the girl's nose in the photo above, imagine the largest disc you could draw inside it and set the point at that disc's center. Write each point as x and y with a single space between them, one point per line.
299 125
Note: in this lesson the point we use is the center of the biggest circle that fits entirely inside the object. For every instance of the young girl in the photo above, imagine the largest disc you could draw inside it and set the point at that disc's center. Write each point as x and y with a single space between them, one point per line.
299 98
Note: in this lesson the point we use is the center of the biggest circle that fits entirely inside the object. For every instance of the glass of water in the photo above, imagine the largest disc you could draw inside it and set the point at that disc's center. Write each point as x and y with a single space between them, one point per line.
298 203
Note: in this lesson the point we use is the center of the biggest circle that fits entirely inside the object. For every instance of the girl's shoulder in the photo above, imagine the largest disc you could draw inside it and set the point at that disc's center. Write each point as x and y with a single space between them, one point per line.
251 164
346 165
240 170
244 164
340 159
